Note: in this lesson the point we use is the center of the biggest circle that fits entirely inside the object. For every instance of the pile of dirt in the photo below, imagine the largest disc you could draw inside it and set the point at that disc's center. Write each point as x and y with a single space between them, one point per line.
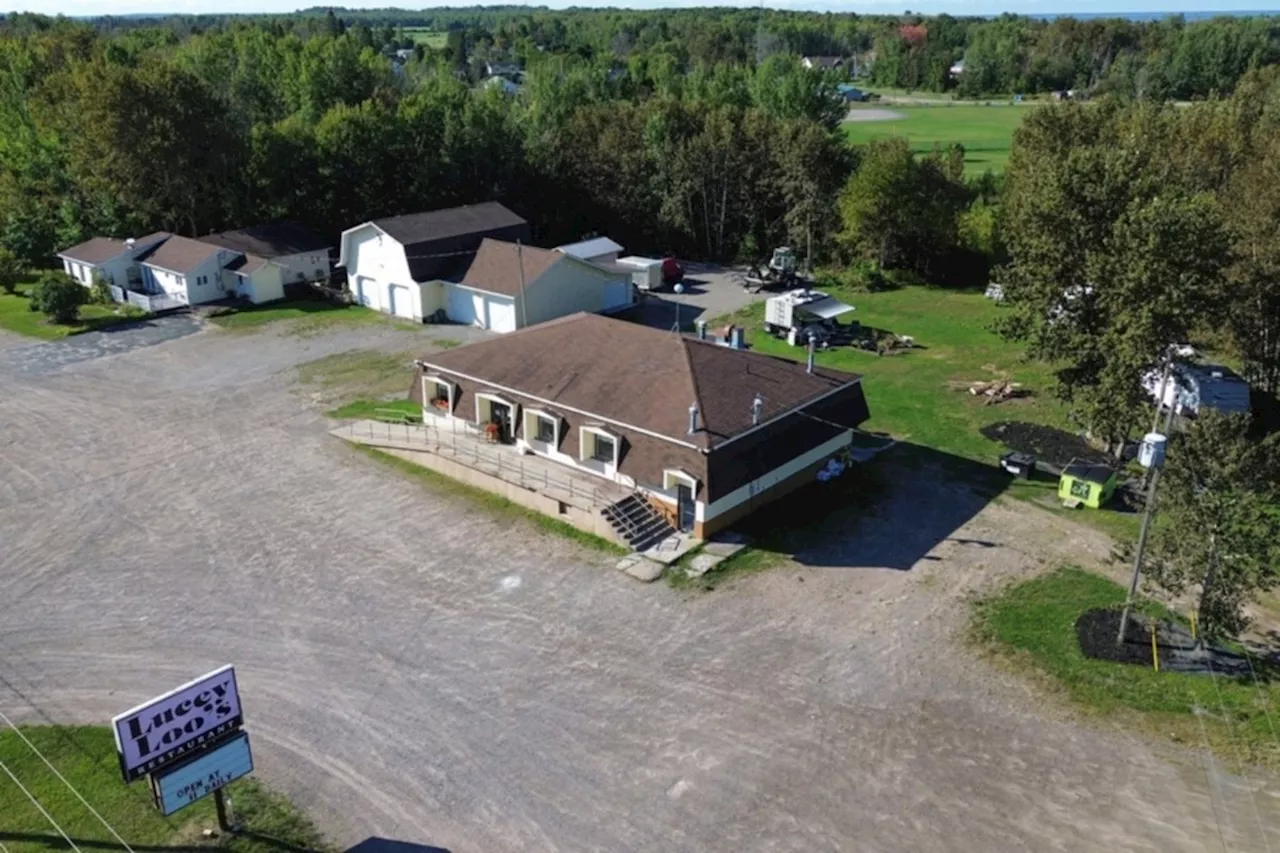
1096 631
1048 444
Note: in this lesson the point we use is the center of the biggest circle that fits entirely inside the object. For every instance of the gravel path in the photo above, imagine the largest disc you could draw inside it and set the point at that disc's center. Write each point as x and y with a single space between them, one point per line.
413 669
873 114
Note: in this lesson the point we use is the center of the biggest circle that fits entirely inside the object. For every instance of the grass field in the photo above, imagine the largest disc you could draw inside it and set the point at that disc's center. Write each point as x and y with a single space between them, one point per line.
16 316
312 315
1034 624
913 395
426 37
985 132
85 756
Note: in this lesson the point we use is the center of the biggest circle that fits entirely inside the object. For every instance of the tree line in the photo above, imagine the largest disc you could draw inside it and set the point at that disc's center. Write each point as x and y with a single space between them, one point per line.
1160 59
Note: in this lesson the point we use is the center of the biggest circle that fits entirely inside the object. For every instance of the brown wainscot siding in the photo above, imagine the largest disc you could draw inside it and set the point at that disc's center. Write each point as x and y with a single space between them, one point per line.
641 457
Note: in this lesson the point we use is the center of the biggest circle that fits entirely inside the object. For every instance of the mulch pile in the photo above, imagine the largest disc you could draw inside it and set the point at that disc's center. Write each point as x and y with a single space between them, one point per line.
1048 444
1096 631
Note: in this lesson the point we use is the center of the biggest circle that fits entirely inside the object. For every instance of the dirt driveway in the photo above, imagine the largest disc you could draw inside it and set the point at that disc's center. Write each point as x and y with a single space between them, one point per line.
415 670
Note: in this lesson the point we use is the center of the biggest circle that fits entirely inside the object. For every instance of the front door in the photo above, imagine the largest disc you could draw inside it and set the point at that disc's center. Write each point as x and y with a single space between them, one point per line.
684 507
500 414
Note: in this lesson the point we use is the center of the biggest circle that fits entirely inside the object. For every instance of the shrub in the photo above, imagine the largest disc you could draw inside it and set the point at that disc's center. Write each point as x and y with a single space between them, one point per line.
10 270
100 291
58 296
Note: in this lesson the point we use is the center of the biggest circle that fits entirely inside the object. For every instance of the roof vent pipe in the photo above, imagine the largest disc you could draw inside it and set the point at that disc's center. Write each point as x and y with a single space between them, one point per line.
702 330
693 419
812 343
757 406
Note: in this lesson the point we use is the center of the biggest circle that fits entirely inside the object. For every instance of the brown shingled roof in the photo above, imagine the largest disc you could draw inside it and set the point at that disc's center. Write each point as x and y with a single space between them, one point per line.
271 240
96 250
181 254
641 377
496 267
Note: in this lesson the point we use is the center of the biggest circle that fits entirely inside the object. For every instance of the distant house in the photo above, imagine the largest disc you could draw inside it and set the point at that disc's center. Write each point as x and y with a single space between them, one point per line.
702 433
600 250
114 260
502 69
502 84
301 254
163 271
389 260
194 272
826 63
1193 387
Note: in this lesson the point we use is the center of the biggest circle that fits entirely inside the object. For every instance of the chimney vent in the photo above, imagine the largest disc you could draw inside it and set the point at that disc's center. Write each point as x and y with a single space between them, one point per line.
757 407
693 419
812 343
702 330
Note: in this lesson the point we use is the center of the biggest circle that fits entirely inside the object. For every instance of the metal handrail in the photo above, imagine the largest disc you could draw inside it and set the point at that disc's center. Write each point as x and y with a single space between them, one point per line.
428 436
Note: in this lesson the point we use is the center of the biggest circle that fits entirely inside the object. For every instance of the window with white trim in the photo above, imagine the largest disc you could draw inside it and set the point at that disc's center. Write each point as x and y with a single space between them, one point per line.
544 429
438 393
596 445
673 477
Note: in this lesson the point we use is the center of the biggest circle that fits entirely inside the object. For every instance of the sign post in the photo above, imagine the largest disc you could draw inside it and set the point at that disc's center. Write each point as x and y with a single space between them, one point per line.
188 743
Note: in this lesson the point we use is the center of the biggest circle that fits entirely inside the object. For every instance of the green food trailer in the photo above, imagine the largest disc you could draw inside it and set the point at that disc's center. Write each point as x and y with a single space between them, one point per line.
1087 484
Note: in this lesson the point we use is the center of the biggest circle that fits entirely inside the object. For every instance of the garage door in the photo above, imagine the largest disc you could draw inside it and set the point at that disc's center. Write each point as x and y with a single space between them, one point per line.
502 315
401 303
364 289
462 307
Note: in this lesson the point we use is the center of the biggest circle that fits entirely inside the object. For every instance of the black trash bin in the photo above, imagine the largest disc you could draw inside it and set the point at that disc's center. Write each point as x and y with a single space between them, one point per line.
1020 465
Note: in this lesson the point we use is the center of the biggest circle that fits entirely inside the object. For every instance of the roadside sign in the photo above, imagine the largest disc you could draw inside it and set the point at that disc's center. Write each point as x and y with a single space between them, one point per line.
177 787
173 726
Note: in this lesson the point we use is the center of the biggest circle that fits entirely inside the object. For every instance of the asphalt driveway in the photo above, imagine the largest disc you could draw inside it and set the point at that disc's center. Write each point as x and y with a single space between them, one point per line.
413 669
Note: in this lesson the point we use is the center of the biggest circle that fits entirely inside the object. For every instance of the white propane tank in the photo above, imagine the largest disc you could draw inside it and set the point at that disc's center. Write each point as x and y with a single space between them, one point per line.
1151 451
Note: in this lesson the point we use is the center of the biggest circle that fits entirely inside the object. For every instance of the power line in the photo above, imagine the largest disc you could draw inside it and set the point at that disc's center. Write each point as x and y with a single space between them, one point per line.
39 807
64 781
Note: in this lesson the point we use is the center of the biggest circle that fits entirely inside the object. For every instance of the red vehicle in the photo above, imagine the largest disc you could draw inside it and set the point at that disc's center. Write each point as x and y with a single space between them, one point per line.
672 272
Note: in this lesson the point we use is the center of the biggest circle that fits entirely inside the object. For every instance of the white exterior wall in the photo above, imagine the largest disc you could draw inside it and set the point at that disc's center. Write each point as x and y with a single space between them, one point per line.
307 266
472 307
570 286
374 262
115 270
190 286
706 512
263 285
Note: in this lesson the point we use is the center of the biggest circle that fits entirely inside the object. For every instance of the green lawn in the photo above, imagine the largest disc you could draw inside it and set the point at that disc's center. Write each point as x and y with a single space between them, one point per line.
85 756
400 411
312 314
913 395
426 37
16 316
985 132
1034 622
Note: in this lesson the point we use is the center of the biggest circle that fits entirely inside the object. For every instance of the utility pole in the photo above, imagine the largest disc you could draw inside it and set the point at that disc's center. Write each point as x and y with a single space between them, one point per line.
1147 513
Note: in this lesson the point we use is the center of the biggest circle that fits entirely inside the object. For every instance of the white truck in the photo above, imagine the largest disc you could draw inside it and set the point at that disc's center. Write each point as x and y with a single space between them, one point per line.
797 314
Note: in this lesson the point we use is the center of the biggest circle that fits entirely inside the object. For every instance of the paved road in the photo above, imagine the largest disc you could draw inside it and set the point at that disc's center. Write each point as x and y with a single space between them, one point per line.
53 355
415 670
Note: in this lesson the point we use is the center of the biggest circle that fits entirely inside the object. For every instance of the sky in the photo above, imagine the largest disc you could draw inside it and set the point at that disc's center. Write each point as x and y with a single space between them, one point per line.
954 7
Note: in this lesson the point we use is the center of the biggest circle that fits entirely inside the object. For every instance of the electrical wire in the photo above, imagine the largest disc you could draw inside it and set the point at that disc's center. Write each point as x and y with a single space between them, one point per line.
39 807
64 781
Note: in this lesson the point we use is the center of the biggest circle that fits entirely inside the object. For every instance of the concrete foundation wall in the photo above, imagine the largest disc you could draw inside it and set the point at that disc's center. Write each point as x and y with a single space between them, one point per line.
585 520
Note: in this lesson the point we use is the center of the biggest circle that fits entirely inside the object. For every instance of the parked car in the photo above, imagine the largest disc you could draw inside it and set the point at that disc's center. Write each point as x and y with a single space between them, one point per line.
672 272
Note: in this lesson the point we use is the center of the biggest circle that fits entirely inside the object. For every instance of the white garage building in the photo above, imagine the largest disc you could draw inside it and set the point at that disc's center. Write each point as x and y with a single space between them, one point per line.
390 262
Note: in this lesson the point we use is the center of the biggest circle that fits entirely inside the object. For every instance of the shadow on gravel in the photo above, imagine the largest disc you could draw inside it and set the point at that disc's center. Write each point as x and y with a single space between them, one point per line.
890 512
384 845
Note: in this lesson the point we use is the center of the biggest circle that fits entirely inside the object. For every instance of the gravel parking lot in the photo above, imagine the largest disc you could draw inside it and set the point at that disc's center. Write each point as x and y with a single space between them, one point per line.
416 670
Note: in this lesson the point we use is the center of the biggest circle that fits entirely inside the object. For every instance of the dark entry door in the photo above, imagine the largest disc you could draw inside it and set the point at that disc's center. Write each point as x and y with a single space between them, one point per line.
684 507
500 414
